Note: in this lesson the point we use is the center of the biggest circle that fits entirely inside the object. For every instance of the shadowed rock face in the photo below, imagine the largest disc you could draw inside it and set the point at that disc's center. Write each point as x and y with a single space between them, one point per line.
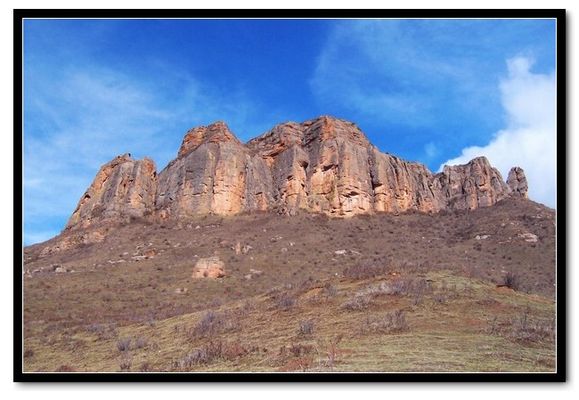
325 165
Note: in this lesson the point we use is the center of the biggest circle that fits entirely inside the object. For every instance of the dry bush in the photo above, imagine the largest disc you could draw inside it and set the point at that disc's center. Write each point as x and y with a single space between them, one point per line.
124 344
140 342
523 329
209 353
306 327
145 367
357 303
125 363
363 298
103 331
511 280
285 301
392 322
213 323
330 348
28 353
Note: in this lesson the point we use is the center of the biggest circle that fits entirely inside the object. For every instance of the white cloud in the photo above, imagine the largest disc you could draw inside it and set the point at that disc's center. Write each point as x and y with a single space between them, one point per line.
431 150
529 138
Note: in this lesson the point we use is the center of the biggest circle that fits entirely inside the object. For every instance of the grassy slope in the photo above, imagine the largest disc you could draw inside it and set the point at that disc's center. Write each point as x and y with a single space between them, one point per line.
76 319
449 329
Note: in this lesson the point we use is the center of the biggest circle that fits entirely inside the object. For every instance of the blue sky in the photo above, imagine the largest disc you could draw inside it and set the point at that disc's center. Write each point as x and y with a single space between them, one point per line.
433 91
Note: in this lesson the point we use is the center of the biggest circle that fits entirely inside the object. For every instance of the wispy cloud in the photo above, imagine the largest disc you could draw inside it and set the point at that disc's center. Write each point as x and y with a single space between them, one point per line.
408 66
423 81
529 138
78 120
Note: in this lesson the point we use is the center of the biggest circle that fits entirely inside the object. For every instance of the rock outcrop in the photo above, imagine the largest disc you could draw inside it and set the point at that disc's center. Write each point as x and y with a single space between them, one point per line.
517 182
213 173
325 165
211 267
122 188
473 185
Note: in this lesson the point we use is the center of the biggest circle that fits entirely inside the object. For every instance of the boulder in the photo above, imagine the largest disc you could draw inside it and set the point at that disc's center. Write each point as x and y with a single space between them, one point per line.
211 267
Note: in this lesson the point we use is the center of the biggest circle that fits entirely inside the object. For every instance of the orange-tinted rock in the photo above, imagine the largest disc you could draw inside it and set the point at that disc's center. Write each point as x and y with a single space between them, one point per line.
123 188
475 184
211 267
214 173
325 165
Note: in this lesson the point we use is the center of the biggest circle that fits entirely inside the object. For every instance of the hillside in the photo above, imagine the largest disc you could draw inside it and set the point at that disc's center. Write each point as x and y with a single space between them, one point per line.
82 302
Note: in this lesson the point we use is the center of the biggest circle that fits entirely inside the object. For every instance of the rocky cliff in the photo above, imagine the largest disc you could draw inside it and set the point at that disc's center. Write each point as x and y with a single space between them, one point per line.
123 188
325 165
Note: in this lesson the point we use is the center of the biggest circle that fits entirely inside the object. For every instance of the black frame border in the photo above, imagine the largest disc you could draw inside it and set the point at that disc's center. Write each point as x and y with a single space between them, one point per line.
562 179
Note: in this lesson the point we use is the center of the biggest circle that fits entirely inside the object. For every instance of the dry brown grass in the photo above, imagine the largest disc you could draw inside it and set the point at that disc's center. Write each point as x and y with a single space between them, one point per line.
424 265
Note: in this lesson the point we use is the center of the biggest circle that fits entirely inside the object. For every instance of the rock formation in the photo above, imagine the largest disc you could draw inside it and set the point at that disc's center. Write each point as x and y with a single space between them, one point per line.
122 188
517 182
472 185
213 173
325 165
211 267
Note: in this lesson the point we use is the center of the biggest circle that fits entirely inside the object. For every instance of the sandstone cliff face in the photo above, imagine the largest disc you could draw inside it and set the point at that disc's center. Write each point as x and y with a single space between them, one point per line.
319 166
213 173
122 188
472 185
325 165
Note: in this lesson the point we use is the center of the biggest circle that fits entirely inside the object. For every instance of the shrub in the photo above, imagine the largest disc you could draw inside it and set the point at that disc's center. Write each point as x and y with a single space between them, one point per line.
209 353
212 323
522 328
356 303
125 363
306 327
286 301
511 280
526 330
140 342
331 350
392 322
124 344
330 290
145 367
103 331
